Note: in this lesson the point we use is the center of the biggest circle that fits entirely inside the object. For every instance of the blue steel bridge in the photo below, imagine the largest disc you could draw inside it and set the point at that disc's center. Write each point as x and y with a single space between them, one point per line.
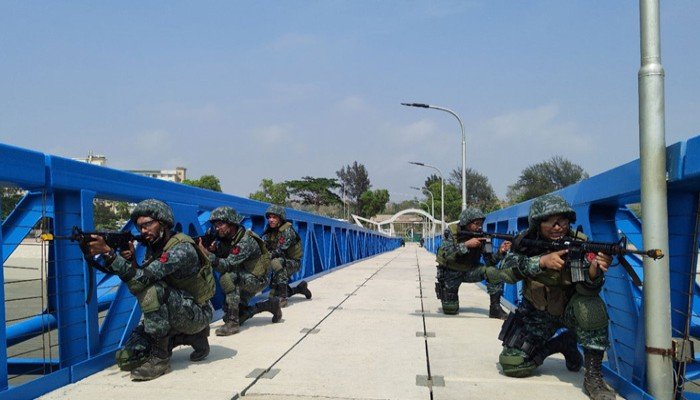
373 329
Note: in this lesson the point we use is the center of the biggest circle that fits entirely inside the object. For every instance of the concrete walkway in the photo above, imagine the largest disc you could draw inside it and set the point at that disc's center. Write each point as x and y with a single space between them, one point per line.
373 330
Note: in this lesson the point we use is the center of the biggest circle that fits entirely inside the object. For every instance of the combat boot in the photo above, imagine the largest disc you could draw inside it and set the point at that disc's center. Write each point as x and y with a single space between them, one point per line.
495 310
157 364
200 344
271 305
231 325
301 288
593 384
281 291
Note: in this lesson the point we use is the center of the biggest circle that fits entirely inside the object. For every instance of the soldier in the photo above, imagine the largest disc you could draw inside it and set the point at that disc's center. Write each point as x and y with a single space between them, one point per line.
551 301
286 251
460 261
173 286
243 261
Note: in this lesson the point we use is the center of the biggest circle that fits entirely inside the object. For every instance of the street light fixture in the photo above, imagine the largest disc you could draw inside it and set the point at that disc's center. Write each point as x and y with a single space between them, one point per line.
464 146
442 190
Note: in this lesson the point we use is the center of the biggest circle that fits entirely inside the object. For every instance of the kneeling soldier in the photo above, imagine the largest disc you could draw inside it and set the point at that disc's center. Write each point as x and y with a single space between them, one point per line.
243 261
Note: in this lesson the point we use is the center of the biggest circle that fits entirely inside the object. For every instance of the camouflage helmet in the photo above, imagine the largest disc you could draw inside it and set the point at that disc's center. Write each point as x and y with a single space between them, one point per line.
545 206
226 214
276 210
155 209
470 214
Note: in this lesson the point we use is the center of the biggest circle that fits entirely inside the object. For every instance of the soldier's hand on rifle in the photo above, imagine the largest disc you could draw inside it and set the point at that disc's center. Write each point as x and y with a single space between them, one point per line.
97 245
474 243
204 249
601 262
504 247
128 254
555 260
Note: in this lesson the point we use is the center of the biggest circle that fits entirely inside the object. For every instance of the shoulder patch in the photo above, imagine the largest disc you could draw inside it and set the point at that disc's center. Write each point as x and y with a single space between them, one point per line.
163 257
282 240
235 250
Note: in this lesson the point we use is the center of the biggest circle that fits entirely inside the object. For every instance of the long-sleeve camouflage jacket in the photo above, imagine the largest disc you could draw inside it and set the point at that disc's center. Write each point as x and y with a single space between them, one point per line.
457 256
181 261
233 252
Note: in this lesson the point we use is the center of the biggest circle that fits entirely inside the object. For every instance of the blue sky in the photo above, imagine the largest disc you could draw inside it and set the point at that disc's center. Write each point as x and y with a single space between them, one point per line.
281 90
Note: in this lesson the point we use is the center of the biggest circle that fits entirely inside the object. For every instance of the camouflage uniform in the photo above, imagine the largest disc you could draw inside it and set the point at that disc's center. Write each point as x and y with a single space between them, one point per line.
173 288
244 266
286 252
457 264
550 302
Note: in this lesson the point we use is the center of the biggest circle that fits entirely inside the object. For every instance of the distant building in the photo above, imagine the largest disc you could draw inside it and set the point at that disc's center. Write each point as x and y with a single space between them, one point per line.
178 174
95 159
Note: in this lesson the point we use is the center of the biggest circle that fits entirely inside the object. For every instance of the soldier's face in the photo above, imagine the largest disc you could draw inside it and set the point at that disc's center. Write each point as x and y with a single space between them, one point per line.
150 228
555 227
475 226
273 220
224 229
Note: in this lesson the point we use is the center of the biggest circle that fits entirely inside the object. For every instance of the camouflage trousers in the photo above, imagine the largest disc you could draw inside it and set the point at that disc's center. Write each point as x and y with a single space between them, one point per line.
178 313
282 271
540 326
452 279
246 286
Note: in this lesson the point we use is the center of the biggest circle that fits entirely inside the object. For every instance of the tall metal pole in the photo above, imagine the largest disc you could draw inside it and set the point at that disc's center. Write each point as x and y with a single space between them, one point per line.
652 156
442 191
432 214
464 145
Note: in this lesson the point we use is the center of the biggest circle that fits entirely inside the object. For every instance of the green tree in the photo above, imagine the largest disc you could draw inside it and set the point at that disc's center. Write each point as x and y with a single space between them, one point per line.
354 180
270 192
10 198
453 200
315 191
543 178
110 215
373 202
210 182
431 179
480 193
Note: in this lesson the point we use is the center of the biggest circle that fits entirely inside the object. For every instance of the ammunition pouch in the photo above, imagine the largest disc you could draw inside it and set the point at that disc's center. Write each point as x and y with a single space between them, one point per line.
513 334
148 299
439 290
226 280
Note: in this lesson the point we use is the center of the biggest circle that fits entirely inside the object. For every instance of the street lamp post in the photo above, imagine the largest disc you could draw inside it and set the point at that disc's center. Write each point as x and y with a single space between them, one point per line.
464 145
432 214
442 190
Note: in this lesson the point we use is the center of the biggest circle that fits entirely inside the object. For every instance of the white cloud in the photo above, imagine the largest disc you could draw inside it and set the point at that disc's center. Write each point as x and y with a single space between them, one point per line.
352 105
151 141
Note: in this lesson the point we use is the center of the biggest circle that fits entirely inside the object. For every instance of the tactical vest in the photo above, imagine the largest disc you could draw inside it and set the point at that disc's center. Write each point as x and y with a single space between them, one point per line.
258 266
462 262
293 252
200 285
551 290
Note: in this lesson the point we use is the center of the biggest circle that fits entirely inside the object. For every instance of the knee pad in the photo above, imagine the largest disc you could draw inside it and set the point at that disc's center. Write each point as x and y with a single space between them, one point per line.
590 312
450 302
515 364
135 351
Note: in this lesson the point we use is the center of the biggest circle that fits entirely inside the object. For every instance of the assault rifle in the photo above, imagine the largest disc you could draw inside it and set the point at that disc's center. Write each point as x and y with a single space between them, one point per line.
117 240
577 251
208 238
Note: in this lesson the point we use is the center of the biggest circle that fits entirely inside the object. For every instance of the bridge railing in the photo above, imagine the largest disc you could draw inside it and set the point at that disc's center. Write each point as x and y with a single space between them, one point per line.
602 204
74 338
